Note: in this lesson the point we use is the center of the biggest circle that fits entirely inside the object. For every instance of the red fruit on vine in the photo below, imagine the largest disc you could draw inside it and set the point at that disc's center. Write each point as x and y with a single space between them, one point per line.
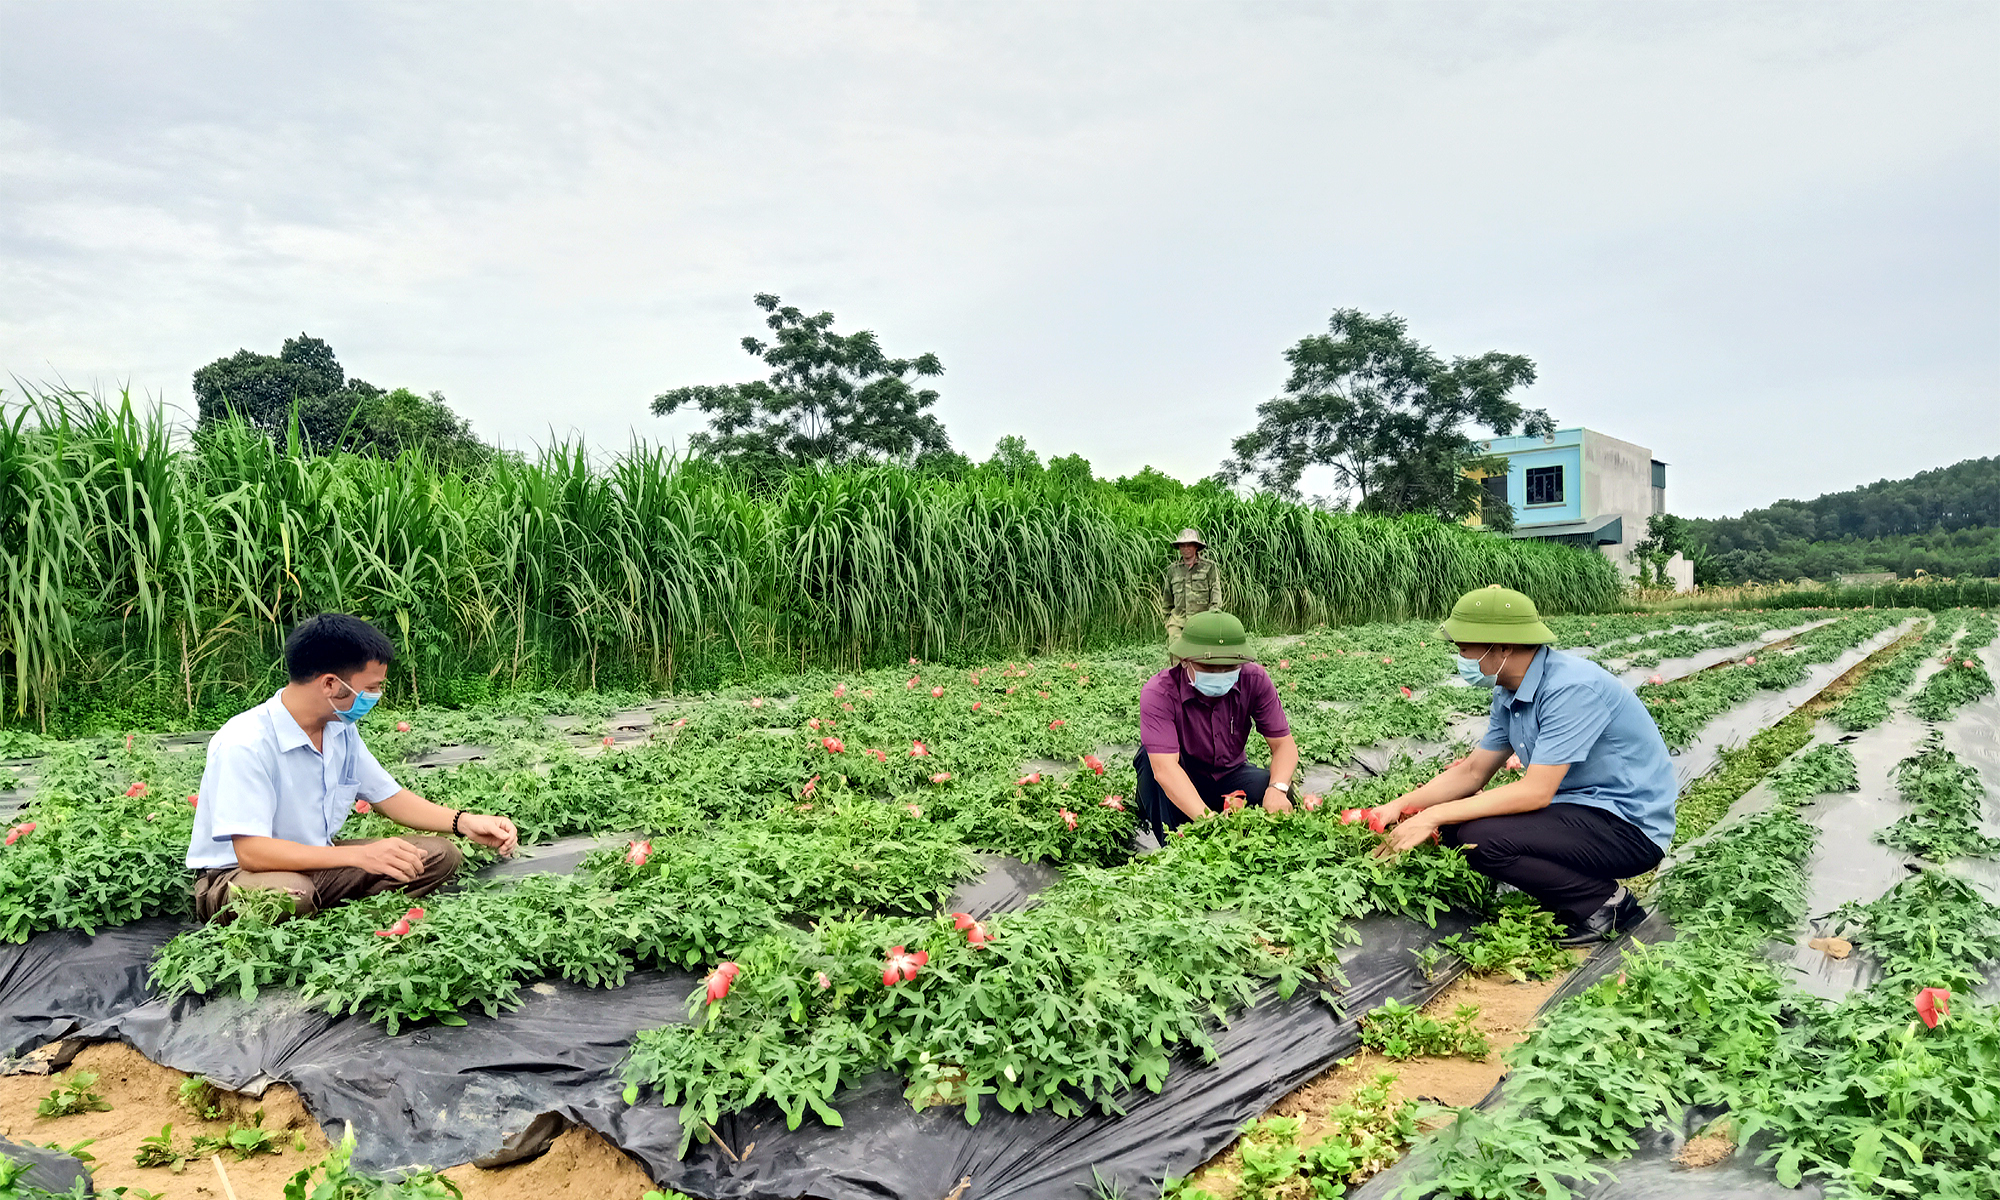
914 810
1349 816
1058 723
415 914
919 750
1932 1003
901 966
363 808
976 704
880 757
1656 679
1095 763
1069 818
1025 780
833 745
638 852
941 776
1114 803
1284 664
720 979
937 693
402 727
397 930
608 739
137 789
1378 822
1407 693
1310 802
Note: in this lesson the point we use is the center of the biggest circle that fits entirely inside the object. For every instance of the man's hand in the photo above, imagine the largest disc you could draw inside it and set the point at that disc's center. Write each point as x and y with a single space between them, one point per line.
1411 832
497 832
1276 801
1383 816
392 857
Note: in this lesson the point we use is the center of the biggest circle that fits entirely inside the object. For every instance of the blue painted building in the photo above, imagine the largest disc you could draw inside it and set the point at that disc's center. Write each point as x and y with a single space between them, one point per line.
1582 487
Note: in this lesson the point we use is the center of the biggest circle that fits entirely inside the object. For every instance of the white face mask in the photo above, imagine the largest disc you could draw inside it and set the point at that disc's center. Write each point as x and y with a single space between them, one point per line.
1215 683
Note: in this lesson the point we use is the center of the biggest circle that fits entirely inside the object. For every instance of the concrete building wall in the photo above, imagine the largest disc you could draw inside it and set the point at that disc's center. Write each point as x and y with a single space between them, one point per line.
1618 479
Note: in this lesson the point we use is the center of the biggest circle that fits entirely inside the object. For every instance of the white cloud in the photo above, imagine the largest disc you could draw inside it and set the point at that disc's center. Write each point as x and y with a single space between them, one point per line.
1758 238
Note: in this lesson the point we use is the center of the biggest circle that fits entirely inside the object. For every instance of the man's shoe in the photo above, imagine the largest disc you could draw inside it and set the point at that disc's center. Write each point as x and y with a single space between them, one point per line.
1617 915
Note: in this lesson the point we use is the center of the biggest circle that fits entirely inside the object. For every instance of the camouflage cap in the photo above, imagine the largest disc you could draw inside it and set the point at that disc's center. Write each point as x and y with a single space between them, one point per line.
1496 616
1190 534
1212 638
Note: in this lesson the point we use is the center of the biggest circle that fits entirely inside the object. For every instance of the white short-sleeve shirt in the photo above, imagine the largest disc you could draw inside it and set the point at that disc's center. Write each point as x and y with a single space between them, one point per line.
264 779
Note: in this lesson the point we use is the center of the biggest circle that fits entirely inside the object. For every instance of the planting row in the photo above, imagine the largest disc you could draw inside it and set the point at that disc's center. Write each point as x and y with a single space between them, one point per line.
1681 708
104 839
1890 1091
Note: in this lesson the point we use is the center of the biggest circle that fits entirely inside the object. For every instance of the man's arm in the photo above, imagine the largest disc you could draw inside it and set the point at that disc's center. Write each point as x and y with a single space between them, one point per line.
1532 791
1176 784
412 811
1284 764
1461 779
1214 588
392 857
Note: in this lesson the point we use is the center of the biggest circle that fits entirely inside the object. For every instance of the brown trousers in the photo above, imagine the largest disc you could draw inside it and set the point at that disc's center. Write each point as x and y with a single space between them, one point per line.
315 891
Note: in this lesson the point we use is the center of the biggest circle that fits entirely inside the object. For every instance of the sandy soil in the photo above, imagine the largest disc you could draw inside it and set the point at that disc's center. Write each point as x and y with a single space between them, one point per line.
144 1096
1506 1009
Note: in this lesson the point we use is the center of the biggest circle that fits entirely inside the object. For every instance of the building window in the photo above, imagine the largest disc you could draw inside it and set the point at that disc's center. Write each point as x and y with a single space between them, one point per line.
1493 490
1545 485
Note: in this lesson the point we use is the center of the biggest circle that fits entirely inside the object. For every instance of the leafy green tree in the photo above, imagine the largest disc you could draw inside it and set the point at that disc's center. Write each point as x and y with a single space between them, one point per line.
265 390
1149 485
1666 536
333 411
1012 459
1390 415
830 399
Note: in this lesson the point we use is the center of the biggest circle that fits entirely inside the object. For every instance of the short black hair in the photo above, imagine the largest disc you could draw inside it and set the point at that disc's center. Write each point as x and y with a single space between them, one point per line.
335 643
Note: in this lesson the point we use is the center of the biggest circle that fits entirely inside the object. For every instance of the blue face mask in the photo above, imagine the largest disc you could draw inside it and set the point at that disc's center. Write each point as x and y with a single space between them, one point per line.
1470 670
363 701
1215 683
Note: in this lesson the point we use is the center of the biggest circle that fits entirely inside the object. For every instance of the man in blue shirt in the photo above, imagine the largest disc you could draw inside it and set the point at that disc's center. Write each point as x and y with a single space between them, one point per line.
281 778
1596 801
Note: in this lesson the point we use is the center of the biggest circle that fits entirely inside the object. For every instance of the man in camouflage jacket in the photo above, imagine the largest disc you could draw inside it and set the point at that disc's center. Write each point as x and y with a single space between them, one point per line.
1192 585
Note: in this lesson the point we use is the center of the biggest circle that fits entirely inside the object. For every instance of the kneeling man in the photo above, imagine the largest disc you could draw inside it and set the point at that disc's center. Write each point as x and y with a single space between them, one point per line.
1596 802
1194 720
282 777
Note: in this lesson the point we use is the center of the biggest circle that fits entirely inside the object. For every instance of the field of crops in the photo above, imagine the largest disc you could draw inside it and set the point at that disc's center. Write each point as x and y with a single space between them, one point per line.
795 842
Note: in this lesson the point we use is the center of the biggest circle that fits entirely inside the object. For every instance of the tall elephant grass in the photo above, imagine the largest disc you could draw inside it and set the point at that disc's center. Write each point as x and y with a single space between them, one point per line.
149 574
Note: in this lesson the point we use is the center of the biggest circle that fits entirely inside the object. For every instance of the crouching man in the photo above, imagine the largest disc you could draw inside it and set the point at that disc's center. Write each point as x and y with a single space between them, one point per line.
1596 802
282 777
1195 719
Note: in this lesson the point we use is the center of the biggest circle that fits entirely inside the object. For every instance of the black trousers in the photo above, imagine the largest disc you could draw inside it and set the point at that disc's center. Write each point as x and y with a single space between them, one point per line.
1213 783
1569 857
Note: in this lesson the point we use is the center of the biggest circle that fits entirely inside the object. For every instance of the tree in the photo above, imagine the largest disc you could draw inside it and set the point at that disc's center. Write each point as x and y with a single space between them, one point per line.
332 410
830 399
1389 415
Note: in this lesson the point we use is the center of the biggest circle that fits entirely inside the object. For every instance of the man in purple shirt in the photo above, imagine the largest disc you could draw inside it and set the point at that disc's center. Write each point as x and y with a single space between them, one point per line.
1194 720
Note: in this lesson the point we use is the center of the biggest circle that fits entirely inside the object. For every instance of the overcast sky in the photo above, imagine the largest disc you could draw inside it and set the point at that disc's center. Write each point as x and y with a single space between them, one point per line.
1761 239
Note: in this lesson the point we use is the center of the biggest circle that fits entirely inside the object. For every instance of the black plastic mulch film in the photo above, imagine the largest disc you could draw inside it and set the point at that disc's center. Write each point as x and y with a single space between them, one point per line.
499 1089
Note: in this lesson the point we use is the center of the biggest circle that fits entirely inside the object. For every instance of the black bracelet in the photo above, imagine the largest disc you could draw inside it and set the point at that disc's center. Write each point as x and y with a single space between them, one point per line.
454 821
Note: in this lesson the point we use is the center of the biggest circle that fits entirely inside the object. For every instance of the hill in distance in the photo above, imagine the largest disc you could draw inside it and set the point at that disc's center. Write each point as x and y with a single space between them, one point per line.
1943 522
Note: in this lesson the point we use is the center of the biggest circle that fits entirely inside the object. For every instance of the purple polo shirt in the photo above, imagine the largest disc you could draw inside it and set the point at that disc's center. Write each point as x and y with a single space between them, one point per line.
1174 718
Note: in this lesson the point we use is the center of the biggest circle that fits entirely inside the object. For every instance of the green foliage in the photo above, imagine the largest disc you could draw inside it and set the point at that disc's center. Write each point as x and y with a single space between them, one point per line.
1363 1136
1944 521
1963 678
304 393
1867 705
1389 415
1745 878
1822 770
638 571
1949 801
200 1097
831 399
1682 707
1071 1003
338 1180
1403 1031
1520 941
72 1096
159 1150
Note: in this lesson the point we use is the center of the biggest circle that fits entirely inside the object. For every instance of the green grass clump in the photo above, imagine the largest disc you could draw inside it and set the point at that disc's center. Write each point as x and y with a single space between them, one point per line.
1822 770
1948 800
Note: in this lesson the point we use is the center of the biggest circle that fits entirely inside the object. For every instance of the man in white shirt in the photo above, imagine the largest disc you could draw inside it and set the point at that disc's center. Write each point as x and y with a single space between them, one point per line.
282 777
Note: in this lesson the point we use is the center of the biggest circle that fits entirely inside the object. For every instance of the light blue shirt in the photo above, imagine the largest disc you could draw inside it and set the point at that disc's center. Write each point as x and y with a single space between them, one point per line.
264 779
1570 710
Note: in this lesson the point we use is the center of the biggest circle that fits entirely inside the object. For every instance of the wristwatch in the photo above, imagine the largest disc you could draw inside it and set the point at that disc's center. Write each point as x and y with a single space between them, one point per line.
1285 788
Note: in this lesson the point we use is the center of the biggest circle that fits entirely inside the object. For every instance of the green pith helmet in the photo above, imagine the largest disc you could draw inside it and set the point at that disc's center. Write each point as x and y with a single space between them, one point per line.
1496 616
1213 639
